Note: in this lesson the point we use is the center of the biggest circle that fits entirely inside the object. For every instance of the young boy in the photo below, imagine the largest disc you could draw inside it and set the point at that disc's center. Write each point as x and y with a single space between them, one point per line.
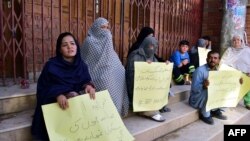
182 66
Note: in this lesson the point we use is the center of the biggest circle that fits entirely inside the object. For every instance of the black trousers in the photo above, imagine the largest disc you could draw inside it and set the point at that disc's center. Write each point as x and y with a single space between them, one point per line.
179 72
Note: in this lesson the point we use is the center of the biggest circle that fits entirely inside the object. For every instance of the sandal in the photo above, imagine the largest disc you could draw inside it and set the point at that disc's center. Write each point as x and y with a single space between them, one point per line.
157 117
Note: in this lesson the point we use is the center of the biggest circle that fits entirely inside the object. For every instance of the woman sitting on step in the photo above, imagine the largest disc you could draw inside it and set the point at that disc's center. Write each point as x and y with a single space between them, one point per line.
62 77
145 53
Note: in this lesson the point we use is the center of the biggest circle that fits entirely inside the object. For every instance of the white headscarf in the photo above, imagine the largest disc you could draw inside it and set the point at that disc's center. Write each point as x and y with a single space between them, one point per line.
238 58
105 67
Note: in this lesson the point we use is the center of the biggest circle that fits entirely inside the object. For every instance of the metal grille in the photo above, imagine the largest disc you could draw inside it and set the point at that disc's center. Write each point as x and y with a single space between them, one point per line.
12 52
173 20
29 28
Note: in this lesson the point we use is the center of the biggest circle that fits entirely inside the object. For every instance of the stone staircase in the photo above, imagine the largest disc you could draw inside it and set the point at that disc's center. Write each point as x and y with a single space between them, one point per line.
199 131
182 123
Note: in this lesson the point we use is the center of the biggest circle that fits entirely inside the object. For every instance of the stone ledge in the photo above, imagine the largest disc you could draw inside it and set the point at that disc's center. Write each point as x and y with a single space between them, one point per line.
16 91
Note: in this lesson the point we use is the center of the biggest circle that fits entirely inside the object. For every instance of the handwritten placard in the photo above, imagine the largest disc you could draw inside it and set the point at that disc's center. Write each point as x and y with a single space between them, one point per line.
151 85
86 120
203 55
223 89
246 81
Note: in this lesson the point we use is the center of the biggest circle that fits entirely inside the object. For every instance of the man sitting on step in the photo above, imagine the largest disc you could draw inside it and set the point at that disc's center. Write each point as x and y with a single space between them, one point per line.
198 94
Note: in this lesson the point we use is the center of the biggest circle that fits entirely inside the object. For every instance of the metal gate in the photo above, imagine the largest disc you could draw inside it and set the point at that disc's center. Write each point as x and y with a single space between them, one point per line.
29 28
12 52
172 20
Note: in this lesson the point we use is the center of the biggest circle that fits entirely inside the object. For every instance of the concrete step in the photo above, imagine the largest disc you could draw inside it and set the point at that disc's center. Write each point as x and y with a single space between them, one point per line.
16 126
200 131
14 99
147 130
181 93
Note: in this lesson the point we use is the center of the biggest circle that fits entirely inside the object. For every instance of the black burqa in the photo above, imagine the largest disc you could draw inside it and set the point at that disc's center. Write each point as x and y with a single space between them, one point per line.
145 32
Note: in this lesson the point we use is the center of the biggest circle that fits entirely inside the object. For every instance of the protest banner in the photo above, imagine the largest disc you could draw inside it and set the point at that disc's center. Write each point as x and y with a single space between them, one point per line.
224 89
203 55
85 120
151 85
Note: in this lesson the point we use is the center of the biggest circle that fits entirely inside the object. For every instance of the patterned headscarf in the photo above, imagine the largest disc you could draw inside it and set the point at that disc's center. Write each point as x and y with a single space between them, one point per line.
97 43
96 29
104 64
